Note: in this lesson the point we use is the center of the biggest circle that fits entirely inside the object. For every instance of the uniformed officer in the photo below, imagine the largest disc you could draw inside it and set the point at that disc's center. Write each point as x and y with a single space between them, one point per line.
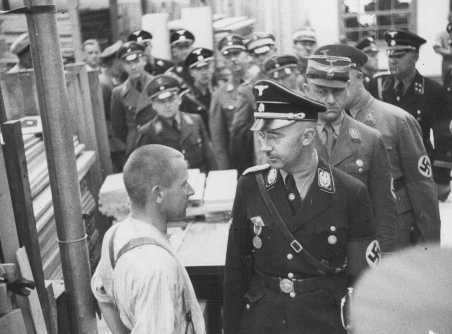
261 46
224 99
368 46
181 42
416 200
284 70
196 98
130 97
304 43
153 65
171 127
422 97
301 230
21 48
350 145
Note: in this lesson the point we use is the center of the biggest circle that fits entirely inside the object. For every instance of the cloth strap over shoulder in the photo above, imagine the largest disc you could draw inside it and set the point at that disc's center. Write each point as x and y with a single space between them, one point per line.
293 243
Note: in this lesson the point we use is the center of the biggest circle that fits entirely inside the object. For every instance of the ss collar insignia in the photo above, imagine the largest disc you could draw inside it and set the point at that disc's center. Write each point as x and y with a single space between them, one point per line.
272 176
355 135
325 180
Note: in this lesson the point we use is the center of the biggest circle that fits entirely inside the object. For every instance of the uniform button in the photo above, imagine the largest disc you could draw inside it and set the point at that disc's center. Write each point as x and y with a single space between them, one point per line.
290 275
247 306
284 322
291 196
332 239
333 228
360 170
292 294
289 256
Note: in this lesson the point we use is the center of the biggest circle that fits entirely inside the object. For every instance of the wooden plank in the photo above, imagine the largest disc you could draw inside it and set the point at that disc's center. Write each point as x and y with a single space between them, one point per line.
33 299
100 124
5 304
13 323
19 186
9 241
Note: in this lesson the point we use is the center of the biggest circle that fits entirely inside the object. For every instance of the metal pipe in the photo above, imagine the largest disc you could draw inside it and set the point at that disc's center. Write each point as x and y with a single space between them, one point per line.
54 107
73 6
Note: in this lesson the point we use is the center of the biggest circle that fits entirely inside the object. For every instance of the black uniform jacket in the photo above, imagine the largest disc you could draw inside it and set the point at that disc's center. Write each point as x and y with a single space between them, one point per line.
190 138
334 223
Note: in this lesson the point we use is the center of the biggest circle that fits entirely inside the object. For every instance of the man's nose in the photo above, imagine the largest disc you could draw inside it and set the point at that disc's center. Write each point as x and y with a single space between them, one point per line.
330 98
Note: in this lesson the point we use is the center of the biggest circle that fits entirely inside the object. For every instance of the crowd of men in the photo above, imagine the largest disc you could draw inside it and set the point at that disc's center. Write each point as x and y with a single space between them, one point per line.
340 163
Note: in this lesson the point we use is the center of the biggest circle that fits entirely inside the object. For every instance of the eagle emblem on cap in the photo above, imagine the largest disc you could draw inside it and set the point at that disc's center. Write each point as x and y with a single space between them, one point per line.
261 107
330 73
260 89
197 51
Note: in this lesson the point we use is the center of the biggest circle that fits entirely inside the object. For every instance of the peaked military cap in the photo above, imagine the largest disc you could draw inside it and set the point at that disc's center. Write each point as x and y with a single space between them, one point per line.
162 87
231 42
329 71
198 58
357 57
182 36
130 51
139 36
367 44
408 292
304 34
400 42
278 106
260 43
20 44
280 66
111 50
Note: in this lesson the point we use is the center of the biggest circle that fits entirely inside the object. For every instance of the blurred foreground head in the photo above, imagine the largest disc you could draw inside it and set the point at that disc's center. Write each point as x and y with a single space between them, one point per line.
409 292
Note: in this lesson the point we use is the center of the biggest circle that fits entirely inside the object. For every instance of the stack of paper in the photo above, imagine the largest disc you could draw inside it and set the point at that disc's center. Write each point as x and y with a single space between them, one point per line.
220 190
198 181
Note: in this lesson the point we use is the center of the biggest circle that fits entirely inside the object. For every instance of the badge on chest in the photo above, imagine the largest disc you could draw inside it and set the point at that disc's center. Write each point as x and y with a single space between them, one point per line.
325 180
258 223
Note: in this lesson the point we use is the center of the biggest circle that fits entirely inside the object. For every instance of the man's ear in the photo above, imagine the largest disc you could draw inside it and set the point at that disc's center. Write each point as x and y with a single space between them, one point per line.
308 136
157 194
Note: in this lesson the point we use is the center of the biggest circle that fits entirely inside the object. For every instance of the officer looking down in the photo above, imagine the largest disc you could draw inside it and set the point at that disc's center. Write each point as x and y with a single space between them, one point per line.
301 231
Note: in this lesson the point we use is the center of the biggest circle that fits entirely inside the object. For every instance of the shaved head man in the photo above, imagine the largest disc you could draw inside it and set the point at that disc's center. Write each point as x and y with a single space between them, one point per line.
138 272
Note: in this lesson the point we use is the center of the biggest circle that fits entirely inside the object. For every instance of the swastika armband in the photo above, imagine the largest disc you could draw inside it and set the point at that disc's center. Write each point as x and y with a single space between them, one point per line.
373 254
424 166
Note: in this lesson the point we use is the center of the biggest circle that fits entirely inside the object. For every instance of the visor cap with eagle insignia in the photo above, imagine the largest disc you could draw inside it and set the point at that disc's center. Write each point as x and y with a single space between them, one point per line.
130 51
278 106
280 66
260 43
182 36
231 42
198 58
400 42
162 87
328 71
140 36
304 34
357 57
367 45
111 51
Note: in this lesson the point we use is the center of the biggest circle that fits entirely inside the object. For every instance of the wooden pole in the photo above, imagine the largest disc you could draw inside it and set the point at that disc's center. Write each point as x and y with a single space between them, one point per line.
114 20
72 6
54 107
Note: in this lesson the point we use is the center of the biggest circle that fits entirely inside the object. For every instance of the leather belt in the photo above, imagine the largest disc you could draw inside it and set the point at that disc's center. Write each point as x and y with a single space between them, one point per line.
399 183
292 286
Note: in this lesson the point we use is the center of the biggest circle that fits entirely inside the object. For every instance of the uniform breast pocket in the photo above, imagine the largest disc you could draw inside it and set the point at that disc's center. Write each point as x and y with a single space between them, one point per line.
357 166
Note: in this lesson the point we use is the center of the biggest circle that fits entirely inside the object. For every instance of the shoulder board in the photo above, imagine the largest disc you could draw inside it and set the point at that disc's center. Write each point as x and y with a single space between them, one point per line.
187 118
255 169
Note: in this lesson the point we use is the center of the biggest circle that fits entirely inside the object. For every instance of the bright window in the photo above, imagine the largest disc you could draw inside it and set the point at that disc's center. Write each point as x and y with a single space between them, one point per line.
360 18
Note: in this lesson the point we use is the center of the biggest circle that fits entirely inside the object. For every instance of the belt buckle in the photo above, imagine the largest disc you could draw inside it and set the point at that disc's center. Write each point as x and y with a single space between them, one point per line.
286 285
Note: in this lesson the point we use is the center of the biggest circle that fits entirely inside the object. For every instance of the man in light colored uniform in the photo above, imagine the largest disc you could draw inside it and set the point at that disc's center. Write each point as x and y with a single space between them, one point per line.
139 283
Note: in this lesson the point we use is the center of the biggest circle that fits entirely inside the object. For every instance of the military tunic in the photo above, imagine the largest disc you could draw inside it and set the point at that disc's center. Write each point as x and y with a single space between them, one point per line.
360 152
416 201
333 223
222 109
190 138
126 102
425 100
196 102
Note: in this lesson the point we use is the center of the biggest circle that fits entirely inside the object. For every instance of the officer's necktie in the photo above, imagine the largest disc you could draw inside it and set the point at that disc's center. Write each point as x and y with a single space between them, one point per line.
292 193
399 90
330 138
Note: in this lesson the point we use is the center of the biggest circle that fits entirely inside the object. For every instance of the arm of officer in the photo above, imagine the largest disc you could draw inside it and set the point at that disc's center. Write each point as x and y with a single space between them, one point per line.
207 150
241 141
382 198
417 171
362 247
238 263
118 117
218 131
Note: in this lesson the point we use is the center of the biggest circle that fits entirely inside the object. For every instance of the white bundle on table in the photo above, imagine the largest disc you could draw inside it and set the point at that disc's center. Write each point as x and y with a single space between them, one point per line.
220 190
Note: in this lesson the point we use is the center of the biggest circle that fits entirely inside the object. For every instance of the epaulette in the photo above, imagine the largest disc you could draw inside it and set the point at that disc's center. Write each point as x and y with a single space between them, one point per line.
254 169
